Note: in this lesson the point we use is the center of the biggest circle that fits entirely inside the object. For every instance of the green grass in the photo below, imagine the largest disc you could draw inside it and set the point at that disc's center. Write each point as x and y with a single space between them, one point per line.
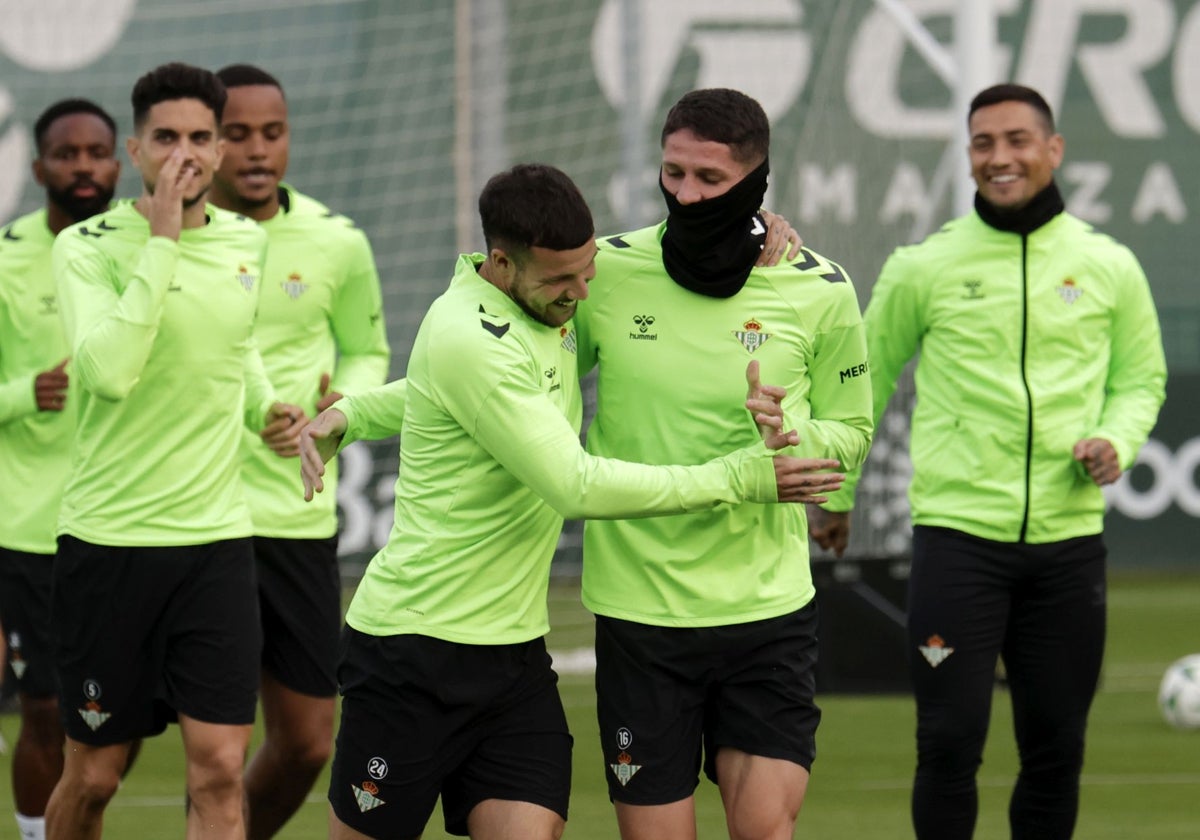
1141 778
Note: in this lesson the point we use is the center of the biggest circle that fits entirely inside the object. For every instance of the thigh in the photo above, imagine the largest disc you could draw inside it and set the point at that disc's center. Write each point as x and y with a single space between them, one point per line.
213 635
1055 642
521 753
960 593
299 591
25 583
650 707
106 608
762 703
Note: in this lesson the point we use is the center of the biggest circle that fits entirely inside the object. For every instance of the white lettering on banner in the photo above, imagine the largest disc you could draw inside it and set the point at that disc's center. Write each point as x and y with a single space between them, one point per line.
14 156
832 194
1174 480
366 516
828 195
1185 69
57 35
1114 72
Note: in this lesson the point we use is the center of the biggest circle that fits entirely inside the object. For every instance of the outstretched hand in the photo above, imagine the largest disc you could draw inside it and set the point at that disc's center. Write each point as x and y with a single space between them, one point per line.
282 431
318 443
806 480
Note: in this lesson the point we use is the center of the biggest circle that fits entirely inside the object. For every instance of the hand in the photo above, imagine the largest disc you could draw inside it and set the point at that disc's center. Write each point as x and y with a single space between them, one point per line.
50 388
765 402
176 179
780 237
1099 458
282 432
328 397
829 530
318 443
806 480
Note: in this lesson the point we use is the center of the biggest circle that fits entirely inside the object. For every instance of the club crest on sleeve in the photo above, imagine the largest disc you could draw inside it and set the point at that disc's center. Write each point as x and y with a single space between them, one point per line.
751 335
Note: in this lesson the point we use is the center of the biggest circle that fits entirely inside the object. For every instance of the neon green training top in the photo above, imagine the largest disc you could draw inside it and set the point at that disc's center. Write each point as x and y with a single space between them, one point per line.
671 389
166 373
319 312
34 445
490 464
1028 345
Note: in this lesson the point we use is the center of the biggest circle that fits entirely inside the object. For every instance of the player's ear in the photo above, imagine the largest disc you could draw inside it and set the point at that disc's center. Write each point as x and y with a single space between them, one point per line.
39 173
133 148
504 265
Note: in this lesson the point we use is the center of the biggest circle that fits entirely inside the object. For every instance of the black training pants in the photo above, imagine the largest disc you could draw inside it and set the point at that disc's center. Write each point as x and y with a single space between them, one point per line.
1041 608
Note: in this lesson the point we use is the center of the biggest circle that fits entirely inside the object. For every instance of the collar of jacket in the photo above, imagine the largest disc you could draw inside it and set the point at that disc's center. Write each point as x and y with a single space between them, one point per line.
1042 208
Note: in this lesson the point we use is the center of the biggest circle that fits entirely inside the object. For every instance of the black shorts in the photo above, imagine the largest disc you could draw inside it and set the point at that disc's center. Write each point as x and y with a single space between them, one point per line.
666 696
143 634
423 717
300 601
25 582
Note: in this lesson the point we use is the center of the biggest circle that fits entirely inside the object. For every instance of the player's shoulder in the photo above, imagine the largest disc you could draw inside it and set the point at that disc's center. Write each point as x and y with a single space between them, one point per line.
25 235
235 228
811 276
1089 243
304 208
632 247
110 231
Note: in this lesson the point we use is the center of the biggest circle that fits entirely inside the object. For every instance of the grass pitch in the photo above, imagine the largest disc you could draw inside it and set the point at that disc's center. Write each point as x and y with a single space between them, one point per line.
1141 778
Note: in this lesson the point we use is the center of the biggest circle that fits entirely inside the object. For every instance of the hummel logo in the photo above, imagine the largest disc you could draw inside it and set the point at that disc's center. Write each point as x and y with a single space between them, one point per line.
497 330
935 651
10 236
104 225
971 289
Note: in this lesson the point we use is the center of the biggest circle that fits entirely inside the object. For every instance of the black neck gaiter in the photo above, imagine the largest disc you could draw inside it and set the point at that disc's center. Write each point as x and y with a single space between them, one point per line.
709 247
1041 208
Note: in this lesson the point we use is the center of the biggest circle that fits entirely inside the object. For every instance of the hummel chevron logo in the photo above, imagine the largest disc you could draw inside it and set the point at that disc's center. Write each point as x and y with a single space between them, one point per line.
104 225
497 330
10 236
935 651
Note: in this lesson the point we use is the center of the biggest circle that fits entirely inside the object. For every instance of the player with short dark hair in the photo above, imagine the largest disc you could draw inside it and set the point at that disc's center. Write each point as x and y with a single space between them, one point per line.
321 334
153 602
447 687
76 166
1041 374
706 622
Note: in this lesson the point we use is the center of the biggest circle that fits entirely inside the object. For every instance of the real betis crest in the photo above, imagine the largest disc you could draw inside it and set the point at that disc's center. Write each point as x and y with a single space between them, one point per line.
1069 292
568 339
751 335
624 769
365 796
92 715
245 278
293 287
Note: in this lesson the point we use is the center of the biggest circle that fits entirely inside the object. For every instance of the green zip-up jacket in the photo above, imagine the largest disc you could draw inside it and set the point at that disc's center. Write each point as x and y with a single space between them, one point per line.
1028 344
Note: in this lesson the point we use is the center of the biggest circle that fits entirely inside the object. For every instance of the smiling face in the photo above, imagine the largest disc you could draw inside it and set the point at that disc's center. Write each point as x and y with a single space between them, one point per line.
694 169
1013 153
547 284
254 127
185 124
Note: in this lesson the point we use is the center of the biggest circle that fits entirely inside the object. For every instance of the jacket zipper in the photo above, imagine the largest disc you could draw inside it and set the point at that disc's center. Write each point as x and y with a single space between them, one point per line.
1025 382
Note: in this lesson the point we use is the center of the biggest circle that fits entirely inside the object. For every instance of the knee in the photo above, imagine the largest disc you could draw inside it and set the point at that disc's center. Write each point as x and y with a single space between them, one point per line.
93 784
304 750
215 773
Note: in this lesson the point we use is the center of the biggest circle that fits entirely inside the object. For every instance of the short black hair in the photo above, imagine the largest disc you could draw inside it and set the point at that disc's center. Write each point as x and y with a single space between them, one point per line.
65 108
176 81
1010 92
724 116
245 75
534 205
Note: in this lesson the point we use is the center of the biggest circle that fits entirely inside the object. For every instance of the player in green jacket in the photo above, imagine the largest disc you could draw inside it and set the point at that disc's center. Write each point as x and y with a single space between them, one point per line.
76 165
1041 373
321 334
153 603
446 684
